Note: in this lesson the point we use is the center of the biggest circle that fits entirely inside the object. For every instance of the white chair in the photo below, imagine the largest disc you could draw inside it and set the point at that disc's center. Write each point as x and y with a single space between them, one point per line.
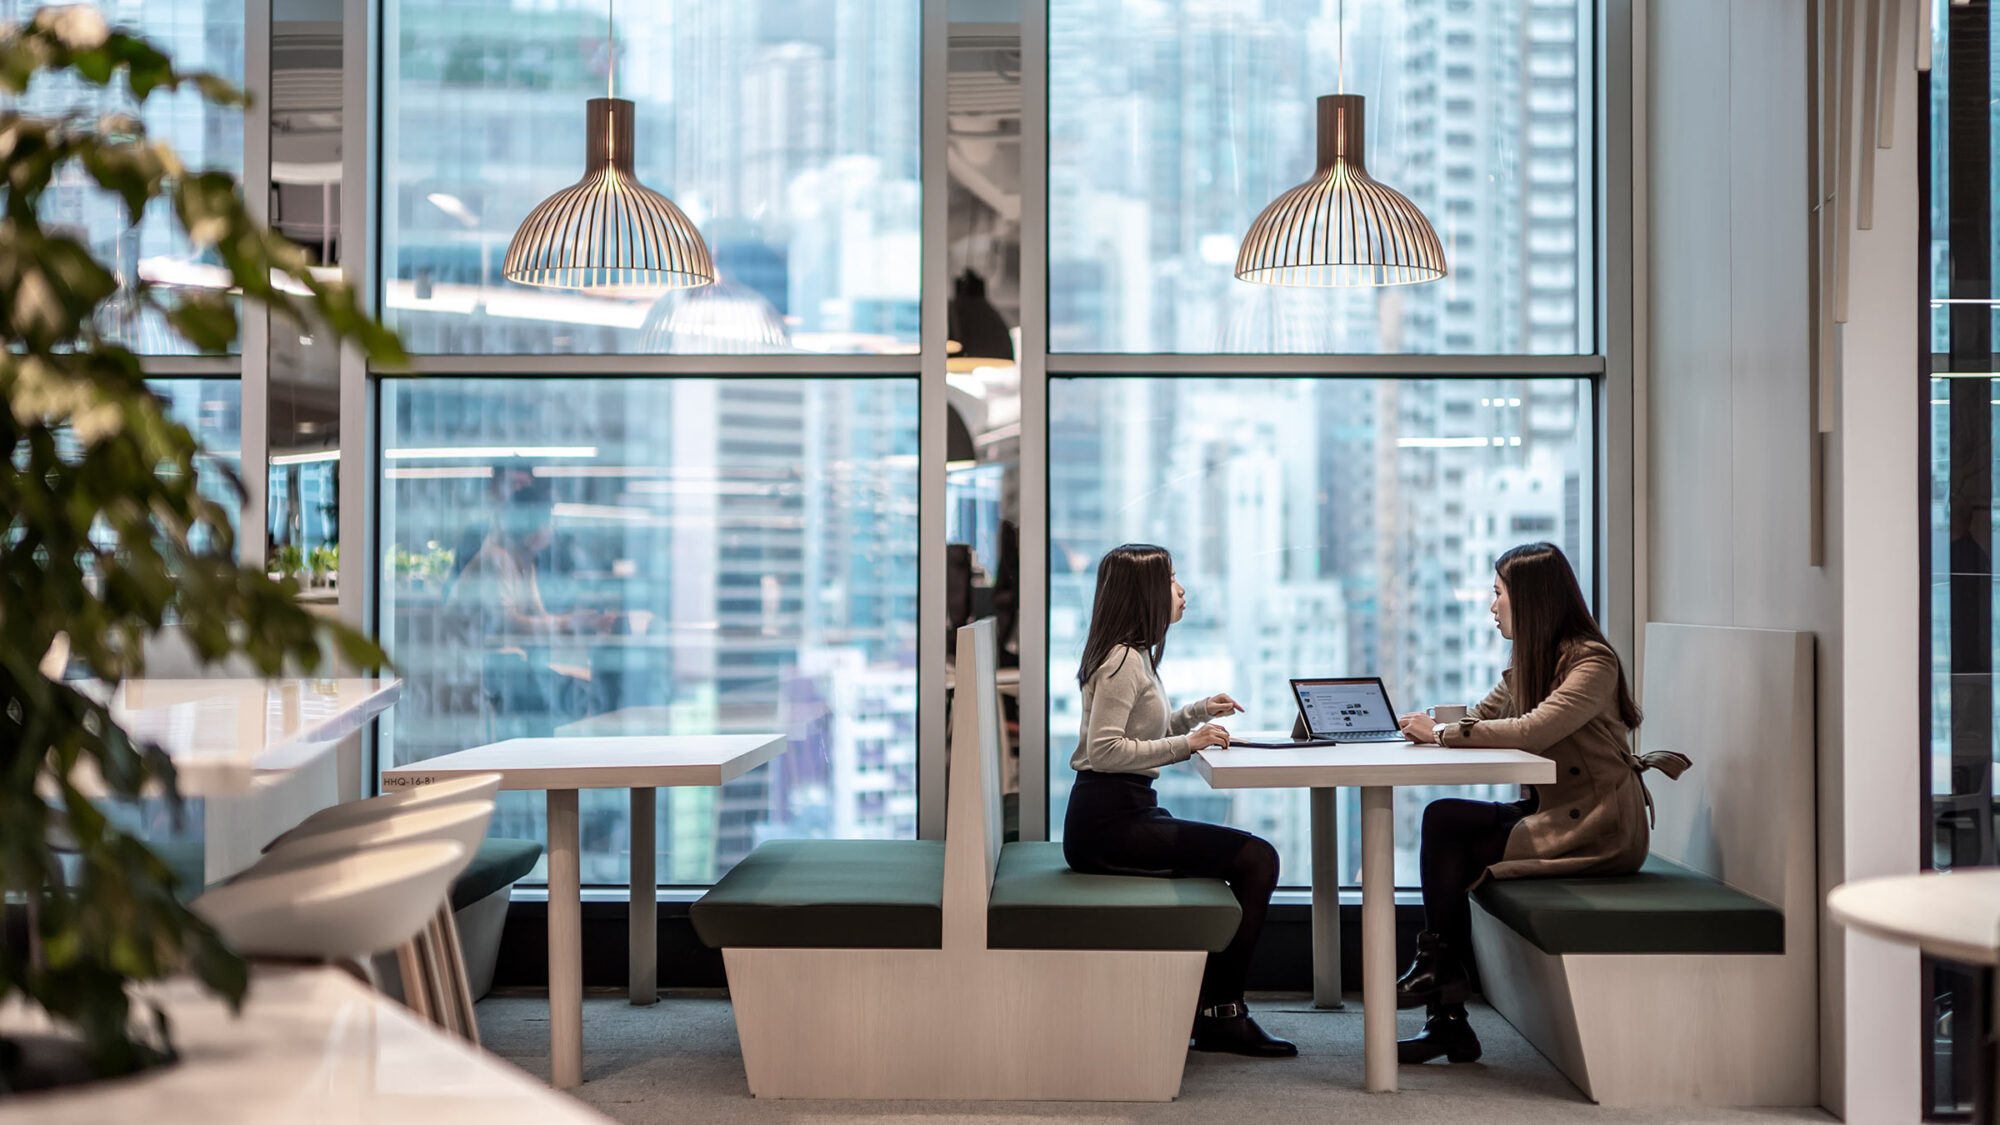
431 966
449 791
337 909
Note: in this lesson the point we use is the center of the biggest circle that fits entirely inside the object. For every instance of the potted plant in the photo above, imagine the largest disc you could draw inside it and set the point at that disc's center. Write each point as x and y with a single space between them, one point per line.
105 535
325 563
288 561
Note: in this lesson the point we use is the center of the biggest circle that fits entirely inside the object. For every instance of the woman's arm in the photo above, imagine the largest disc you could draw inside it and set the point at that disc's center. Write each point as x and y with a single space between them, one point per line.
1116 687
1188 717
1580 697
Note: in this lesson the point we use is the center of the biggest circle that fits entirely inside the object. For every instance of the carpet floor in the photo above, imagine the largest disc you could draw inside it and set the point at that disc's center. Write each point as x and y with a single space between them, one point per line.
677 1061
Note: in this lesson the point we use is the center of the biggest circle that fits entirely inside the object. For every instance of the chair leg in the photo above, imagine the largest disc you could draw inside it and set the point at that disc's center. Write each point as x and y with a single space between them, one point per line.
410 965
444 1012
455 979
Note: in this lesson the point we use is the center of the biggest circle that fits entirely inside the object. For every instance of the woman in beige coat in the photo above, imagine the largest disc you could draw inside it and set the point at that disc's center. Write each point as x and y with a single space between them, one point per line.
1564 697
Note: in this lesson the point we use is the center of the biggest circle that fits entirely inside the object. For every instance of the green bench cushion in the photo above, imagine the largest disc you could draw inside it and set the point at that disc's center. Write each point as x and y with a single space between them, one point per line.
1661 908
498 863
1039 903
828 894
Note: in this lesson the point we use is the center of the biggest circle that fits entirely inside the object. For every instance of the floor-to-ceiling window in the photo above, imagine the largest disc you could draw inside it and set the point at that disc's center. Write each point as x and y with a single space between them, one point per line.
1962 592
1339 516
720 536
1321 527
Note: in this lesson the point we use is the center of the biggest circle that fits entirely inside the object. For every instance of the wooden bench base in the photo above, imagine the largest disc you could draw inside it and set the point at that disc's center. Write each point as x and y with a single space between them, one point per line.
1659 1029
974 1024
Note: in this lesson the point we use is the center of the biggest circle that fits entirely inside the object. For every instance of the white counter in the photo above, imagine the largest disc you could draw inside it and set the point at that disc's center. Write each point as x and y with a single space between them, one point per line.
223 733
312 1046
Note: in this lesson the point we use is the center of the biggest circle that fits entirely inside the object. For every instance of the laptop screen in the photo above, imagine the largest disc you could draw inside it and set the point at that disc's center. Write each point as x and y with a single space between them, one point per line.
1344 706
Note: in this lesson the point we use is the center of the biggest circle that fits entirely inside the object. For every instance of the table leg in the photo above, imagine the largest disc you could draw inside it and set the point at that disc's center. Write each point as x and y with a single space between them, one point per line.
1325 899
642 969
1378 937
565 944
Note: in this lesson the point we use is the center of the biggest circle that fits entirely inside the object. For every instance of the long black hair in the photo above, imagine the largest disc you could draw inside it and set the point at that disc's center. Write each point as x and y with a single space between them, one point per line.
1135 604
1550 617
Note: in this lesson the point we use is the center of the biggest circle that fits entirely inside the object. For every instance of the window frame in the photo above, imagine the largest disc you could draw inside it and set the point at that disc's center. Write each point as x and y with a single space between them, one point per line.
1608 249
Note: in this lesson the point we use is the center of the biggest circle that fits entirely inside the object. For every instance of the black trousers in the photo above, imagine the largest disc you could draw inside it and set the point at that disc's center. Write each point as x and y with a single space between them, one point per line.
1115 826
1460 840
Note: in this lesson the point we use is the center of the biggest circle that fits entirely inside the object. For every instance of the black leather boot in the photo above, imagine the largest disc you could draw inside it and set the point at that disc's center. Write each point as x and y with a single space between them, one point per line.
1447 1034
1436 976
1228 1027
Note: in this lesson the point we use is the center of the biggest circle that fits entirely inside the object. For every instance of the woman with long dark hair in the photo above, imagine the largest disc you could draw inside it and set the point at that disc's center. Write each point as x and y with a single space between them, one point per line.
1563 696
1115 825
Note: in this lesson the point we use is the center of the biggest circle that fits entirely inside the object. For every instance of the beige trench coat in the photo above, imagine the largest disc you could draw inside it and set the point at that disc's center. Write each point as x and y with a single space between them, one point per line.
1593 819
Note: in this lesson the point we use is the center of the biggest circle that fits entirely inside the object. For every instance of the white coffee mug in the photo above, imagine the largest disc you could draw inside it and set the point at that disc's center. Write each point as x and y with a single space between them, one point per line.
1447 712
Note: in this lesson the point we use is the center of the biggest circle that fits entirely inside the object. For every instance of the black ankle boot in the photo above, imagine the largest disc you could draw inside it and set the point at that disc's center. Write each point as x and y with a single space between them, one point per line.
1228 1027
1447 1034
1436 976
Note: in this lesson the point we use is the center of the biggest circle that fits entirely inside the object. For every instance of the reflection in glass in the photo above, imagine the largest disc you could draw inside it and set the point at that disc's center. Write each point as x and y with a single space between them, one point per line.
1964 586
303 497
787 132
1173 122
662 556
212 410
1321 527
198 35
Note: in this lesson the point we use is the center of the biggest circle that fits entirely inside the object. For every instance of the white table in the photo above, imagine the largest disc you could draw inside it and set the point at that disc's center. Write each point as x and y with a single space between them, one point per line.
1376 768
313 1045
561 766
1949 915
224 734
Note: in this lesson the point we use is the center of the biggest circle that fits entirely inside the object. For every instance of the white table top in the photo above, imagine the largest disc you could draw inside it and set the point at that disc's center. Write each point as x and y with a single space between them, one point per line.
222 733
633 762
1950 915
312 1045
1379 763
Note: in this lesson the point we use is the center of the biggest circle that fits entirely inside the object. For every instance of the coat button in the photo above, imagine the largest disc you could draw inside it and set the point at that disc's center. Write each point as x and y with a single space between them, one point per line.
1575 814
1574 770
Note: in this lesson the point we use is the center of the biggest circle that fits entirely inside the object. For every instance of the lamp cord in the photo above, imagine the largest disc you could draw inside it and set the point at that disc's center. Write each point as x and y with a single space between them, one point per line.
611 45
1340 17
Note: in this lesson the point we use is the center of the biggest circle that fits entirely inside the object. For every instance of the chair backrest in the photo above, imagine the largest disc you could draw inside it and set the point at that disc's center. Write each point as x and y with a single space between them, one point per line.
972 824
1740 704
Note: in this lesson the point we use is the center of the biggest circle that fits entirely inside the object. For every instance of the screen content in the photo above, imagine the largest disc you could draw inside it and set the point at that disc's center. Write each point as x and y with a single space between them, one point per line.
1344 707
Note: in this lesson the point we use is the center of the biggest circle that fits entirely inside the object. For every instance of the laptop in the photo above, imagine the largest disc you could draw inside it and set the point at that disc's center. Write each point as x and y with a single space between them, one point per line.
1333 710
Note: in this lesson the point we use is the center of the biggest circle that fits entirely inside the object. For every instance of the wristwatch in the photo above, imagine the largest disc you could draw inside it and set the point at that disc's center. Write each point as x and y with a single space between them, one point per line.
1437 733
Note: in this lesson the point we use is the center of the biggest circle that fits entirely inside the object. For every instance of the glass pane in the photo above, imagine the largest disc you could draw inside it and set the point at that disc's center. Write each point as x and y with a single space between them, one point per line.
662 556
199 35
787 132
212 410
1321 527
1963 586
1172 123
303 501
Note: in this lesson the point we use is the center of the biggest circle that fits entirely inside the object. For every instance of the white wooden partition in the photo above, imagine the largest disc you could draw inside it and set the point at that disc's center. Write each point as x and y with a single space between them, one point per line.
1698 1029
965 1021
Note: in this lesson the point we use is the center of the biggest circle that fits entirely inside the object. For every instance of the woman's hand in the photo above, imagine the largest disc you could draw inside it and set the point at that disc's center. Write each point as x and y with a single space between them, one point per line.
1220 705
1208 735
1418 727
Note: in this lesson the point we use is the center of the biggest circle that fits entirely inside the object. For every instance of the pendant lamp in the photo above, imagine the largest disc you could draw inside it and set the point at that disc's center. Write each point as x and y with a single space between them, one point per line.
977 333
608 234
1342 227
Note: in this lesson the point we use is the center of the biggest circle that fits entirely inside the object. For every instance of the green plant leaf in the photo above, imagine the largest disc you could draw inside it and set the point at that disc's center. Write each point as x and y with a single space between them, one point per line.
108 532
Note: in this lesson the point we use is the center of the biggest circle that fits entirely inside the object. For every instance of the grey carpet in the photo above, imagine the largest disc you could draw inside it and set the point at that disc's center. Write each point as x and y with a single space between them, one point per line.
677 1062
